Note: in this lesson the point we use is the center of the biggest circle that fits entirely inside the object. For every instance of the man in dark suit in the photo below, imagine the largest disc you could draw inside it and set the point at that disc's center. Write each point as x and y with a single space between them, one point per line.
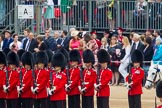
65 40
7 39
57 41
136 43
30 43
48 40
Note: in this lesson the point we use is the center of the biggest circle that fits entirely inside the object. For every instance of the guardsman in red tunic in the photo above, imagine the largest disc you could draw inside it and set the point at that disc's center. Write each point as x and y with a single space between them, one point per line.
40 80
87 80
134 80
104 76
73 80
20 53
56 85
11 80
50 55
159 92
2 74
24 85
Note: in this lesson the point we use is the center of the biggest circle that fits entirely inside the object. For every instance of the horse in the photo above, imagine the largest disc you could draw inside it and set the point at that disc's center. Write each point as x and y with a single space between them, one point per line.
154 76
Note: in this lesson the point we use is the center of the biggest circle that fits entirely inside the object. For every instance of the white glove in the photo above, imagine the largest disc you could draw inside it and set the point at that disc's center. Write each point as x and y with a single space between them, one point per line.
129 86
83 90
67 87
5 89
97 86
51 92
34 90
80 89
19 89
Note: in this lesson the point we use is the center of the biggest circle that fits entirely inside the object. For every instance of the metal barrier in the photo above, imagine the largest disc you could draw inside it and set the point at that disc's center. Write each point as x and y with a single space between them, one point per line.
91 14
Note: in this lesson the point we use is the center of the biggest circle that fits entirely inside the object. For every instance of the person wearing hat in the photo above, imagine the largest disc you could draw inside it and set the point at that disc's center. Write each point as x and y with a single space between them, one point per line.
8 40
25 79
74 42
20 53
74 78
120 34
11 80
94 36
56 85
3 64
104 76
40 80
88 77
107 36
134 80
50 70
159 92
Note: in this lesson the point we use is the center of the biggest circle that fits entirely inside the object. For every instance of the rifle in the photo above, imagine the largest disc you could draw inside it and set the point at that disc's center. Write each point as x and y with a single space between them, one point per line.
7 80
81 78
130 75
34 79
51 79
68 75
98 74
155 103
20 76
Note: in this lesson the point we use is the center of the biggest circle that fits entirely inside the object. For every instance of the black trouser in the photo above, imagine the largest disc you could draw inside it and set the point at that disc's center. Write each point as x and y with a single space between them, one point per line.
134 101
87 102
2 103
58 104
11 103
74 101
26 103
40 103
103 102
48 102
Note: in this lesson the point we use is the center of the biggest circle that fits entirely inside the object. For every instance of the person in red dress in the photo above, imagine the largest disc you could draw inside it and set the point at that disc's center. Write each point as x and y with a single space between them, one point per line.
11 80
56 85
40 80
159 93
73 80
134 80
87 80
3 64
104 76
24 85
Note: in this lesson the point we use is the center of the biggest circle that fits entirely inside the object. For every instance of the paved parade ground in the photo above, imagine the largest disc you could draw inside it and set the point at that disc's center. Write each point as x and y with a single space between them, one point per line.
118 98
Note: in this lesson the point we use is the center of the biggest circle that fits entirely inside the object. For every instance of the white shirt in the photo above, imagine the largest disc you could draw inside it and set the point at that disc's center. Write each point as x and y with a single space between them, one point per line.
1 46
19 45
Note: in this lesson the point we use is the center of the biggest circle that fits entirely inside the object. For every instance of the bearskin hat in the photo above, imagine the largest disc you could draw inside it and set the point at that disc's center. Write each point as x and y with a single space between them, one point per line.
103 56
34 57
137 56
20 53
88 56
58 59
75 56
41 57
159 89
49 54
6 51
65 53
2 58
12 58
27 59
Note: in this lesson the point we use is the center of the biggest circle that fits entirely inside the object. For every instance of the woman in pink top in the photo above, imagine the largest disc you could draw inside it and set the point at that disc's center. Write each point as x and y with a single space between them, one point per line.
75 42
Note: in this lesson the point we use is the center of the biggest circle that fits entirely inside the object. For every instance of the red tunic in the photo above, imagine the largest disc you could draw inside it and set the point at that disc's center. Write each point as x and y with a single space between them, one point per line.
105 77
74 78
89 77
2 74
13 78
42 78
26 80
137 75
59 81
